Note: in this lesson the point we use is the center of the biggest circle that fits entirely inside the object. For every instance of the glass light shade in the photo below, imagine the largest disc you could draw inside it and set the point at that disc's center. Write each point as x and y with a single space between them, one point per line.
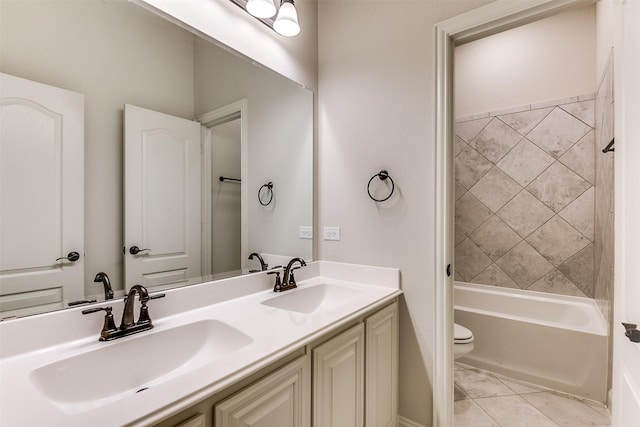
261 8
287 21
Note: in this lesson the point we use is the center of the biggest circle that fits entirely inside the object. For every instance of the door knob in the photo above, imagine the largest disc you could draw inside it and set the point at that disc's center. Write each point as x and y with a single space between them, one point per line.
134 250
71 256
631 332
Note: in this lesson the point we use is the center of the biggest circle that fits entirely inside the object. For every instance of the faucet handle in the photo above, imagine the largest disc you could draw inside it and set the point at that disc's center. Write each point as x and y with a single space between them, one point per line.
144 318
97 309
277 287
109 324
292 279
156 296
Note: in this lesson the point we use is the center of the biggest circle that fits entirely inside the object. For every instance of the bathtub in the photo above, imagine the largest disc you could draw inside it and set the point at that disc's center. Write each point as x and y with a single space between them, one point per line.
555 341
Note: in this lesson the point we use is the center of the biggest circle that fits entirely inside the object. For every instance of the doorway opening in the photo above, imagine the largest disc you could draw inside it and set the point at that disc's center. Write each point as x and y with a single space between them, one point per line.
224 189
457 31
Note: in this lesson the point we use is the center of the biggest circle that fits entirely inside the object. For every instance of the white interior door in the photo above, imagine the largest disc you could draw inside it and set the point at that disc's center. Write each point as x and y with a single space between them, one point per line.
41 202
162 190
626 354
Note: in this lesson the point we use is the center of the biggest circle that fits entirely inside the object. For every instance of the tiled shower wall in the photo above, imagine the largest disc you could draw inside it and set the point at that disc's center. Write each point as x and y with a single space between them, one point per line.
524 207
603 243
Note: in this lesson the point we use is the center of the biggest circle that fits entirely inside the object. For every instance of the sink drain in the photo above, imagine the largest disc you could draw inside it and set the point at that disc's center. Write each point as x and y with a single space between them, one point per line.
142 389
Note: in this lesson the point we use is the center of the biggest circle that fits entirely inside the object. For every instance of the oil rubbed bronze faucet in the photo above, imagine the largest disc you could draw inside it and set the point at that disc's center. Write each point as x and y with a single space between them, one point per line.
263 265
288 280
128 325
104 279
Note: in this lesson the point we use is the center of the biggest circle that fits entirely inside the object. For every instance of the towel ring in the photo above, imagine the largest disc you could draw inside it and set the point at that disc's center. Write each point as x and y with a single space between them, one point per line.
268 186
383 175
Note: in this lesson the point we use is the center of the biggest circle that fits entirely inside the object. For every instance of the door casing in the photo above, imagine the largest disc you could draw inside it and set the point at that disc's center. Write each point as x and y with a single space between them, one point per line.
475 24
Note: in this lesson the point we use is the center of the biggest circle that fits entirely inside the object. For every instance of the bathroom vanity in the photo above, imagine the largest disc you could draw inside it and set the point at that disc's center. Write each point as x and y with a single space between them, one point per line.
220 353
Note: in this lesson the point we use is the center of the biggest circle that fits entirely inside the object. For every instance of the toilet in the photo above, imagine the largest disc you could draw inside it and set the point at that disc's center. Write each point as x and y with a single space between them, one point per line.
462 340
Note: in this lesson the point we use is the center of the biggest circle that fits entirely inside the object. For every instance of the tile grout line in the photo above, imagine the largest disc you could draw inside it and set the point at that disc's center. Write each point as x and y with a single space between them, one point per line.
535 390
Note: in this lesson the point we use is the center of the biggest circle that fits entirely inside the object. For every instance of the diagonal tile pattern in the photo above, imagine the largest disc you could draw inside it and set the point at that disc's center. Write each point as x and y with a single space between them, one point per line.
486 399
495 189
494 276
525 197
558 186
495 238
525 162
524 122
470 213
476 260
495 140
556 283
582 110
469 129
580 157
557 241
557 132
524 213
470 166
524 265
580 213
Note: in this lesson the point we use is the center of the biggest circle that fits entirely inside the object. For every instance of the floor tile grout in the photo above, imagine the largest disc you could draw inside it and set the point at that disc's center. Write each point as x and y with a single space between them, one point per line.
495 395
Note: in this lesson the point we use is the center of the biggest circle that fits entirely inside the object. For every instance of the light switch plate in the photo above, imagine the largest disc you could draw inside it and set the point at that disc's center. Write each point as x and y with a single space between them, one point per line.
306 232
331 233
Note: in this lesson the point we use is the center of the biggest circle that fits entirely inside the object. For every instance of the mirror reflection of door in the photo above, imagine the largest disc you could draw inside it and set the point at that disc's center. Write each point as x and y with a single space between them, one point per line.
226 251
162 200
42 203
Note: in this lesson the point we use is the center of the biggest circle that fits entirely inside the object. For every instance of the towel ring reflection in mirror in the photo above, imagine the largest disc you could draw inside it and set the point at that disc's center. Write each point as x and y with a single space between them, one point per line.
269 187
383 175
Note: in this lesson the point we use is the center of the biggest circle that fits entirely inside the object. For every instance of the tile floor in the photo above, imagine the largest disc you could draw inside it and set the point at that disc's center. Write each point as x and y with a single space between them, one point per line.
485 399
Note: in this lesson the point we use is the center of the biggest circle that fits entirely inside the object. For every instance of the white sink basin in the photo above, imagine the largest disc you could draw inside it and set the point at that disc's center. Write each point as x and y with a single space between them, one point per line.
314 299
132 364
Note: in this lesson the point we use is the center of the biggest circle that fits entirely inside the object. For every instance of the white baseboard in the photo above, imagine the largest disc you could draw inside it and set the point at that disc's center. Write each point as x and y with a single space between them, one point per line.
406 422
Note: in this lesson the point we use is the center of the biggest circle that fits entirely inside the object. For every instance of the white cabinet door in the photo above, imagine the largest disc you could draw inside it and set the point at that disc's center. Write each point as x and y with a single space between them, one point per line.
41 202
338 388
279 400
162 191
381 392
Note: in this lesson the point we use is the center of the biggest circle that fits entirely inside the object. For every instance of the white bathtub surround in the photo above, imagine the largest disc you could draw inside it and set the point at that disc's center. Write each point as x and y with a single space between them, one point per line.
556 341
266 334
525 197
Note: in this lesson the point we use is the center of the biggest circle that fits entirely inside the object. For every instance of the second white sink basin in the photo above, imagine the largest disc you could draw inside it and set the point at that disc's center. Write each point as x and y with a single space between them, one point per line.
313 299
132 364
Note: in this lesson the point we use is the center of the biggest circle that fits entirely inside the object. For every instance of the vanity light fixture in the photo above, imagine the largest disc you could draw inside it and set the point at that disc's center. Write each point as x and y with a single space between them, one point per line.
261 8
285 22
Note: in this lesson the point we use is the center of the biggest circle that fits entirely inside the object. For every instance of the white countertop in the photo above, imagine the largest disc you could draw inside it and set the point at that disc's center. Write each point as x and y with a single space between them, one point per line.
36 341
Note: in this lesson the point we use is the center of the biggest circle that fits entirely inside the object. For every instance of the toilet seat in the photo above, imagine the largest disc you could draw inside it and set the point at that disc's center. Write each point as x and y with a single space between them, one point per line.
461 335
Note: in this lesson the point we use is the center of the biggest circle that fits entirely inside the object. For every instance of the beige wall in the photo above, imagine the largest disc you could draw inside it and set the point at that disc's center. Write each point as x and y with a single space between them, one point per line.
548 59
225 198
280 145
376 111
294 57
605 18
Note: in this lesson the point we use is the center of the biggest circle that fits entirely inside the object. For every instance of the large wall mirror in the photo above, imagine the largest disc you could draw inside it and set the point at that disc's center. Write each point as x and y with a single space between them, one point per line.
161 114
